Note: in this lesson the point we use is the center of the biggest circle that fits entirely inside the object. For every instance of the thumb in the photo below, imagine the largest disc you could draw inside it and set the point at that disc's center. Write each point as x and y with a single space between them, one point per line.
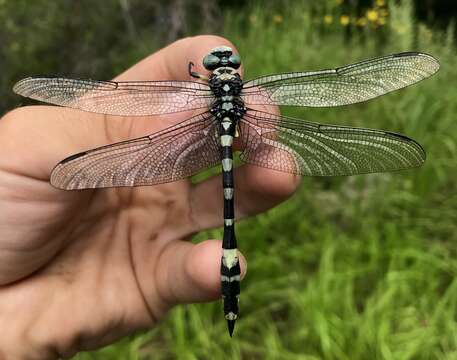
189 273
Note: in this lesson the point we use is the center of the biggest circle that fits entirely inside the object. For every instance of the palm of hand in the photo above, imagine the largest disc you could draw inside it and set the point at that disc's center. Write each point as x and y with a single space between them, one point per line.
107 244
87 267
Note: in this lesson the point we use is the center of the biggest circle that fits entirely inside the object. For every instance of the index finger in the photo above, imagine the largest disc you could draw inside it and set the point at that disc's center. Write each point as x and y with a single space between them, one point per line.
171 62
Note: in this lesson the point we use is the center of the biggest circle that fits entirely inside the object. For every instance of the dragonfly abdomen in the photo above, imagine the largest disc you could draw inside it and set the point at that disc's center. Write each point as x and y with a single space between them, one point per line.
230 267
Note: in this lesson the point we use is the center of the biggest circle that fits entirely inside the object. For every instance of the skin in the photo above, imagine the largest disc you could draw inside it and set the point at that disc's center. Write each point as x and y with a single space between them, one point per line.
81 269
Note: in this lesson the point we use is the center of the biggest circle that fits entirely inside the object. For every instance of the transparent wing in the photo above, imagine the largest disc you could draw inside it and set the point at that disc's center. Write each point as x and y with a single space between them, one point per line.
346 85
169 155
137 98
300 147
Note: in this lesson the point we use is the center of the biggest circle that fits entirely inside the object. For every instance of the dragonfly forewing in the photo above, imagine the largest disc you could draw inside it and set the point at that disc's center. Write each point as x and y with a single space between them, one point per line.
341 86
133 98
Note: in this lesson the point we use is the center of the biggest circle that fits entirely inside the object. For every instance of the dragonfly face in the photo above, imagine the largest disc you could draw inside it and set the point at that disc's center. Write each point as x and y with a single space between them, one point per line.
268 139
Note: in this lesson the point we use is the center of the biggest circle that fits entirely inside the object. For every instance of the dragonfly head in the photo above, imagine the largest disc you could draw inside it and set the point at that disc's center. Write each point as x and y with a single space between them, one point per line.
221 56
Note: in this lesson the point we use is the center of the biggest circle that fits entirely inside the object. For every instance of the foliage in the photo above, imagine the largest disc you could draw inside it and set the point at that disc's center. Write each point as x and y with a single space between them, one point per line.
350 268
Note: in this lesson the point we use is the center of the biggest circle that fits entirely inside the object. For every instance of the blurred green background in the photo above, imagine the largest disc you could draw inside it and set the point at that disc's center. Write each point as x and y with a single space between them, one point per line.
361 267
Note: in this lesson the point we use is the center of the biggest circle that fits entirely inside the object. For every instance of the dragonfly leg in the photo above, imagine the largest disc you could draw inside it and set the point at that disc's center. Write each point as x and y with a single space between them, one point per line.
237 130
196 74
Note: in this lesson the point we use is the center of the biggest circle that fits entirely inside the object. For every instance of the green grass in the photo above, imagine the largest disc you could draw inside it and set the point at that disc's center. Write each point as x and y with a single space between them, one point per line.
349 268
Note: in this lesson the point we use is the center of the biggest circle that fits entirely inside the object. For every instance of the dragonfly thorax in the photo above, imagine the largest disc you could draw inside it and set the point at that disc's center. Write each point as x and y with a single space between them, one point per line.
226 85
225 82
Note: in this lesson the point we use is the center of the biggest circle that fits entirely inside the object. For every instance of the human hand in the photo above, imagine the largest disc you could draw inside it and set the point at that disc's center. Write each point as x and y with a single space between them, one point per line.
80 269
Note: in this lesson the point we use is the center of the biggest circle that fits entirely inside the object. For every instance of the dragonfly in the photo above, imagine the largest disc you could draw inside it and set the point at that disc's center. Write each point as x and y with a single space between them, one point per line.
229 108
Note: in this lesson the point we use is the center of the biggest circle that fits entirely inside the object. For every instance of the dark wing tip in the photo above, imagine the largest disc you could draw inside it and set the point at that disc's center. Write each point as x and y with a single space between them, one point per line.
434 63
72 157
407 53
56 179
410 142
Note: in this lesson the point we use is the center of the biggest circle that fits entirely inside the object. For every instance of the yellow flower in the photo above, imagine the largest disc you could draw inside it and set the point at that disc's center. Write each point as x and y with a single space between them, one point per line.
328 19
278 18
380 3
344 20
382 21
372 15
361 21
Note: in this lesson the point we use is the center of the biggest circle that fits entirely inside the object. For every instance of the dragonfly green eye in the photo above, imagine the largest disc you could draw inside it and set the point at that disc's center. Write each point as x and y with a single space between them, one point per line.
211 62
235 61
